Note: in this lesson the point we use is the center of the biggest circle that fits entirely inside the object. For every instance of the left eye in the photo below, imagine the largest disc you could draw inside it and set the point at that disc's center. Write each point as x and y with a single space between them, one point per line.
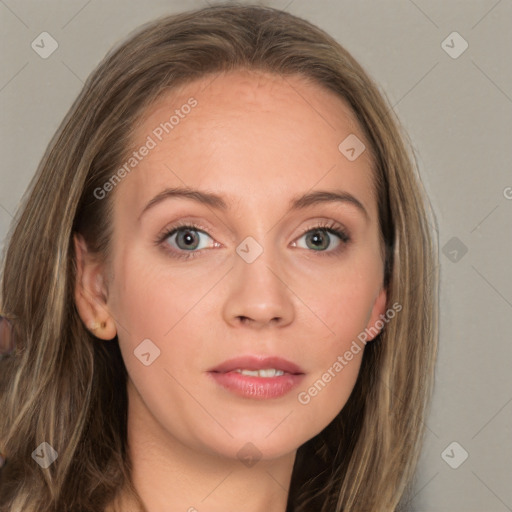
320 239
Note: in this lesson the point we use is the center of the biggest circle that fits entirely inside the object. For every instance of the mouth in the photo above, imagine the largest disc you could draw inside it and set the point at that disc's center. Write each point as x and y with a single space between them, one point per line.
257 377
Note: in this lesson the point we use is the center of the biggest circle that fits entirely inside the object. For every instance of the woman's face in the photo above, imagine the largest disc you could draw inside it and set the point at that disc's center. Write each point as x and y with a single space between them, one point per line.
255 278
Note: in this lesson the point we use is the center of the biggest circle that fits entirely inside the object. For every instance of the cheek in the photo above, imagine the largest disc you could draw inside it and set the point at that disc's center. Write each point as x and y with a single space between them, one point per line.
345 303
145 302
326 392
149 307
149 304
339 301
335 357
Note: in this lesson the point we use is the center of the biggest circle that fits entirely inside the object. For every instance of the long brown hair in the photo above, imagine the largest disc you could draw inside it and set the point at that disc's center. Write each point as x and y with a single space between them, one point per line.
63 386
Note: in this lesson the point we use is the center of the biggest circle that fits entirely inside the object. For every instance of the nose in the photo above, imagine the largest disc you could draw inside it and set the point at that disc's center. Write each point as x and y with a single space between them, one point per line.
258 296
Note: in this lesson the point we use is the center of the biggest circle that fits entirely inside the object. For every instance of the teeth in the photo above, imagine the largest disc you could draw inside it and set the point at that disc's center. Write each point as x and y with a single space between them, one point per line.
270 372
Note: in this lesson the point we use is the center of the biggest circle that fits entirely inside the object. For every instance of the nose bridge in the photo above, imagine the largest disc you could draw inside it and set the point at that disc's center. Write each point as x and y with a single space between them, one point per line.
259 291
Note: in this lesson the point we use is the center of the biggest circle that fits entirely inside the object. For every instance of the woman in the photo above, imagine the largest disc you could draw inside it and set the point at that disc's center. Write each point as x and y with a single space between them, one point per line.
222 283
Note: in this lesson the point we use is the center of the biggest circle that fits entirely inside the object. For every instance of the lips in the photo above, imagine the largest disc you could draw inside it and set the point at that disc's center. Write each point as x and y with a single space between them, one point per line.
280 377
258 363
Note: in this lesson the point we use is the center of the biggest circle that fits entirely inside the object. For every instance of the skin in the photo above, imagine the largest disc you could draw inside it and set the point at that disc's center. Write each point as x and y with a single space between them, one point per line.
258 140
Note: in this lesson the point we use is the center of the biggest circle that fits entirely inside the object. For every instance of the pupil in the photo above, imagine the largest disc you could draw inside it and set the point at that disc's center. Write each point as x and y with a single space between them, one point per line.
317 238
189 238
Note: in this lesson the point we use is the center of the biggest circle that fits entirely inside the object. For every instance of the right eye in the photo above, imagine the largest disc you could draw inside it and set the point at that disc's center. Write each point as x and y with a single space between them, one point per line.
178 240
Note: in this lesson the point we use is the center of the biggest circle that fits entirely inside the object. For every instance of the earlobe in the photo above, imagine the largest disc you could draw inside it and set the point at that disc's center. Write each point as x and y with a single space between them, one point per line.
91 292
376 314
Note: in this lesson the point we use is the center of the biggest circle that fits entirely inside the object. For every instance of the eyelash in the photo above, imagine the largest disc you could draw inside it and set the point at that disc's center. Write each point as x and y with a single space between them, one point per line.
329 227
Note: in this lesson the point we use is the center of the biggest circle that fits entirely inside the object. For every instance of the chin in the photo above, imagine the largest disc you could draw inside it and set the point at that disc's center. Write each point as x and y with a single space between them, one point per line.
257 442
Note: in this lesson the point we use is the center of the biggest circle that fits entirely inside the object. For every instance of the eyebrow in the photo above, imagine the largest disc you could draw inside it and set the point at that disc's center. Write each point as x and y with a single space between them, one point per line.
217 202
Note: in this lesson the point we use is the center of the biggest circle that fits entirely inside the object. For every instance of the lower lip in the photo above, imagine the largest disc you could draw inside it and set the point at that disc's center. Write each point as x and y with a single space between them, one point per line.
258 388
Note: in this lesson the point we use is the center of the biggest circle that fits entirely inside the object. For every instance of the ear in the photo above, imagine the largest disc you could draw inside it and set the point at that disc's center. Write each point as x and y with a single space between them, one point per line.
91 292
378 309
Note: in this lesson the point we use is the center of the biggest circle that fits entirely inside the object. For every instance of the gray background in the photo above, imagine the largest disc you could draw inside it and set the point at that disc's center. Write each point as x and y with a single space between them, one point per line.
458 112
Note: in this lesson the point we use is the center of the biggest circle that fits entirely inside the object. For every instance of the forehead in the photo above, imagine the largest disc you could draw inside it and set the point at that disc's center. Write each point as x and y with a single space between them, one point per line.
249 134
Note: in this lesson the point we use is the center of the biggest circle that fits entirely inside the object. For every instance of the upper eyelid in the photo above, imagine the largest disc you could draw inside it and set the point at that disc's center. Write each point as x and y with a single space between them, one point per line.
198 226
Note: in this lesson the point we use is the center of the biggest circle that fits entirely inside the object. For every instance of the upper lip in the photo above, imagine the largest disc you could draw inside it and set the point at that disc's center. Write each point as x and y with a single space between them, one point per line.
252 362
